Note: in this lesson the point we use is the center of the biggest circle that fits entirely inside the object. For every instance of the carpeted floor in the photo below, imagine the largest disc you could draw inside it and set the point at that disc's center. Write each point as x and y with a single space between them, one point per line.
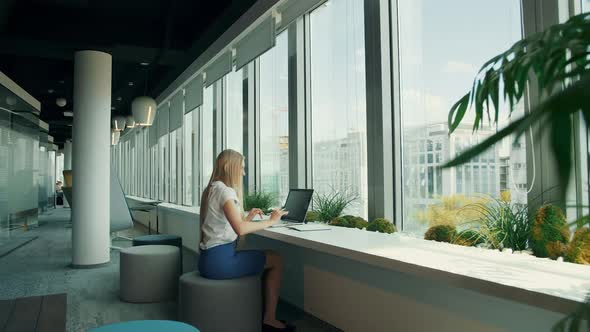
41 267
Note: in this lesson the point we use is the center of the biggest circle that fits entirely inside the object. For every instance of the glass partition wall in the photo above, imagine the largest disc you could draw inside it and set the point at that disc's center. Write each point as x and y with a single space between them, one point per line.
26 176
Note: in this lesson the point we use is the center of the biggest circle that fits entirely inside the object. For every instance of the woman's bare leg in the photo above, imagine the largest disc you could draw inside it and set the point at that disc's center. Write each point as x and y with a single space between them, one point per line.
274 265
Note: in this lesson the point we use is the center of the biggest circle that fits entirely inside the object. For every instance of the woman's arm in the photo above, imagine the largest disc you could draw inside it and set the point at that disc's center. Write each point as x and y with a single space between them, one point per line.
242 227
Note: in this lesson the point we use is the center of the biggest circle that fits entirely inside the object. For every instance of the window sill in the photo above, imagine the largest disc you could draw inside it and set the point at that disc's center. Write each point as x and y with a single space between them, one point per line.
168 206
544 283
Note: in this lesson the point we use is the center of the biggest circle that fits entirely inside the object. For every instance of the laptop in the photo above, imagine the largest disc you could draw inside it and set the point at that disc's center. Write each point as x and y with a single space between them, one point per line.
297 204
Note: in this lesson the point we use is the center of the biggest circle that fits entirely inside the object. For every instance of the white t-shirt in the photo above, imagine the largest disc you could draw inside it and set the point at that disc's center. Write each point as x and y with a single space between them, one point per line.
216 228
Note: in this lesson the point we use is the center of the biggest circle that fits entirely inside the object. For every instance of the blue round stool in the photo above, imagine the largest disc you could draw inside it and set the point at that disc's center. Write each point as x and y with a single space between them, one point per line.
147 326
160 239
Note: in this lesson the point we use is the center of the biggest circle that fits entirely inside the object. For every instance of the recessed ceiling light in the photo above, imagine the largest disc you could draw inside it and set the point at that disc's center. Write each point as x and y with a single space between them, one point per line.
61 81
69 114
145 63
50 91
113 108
119 98
69 124
130 83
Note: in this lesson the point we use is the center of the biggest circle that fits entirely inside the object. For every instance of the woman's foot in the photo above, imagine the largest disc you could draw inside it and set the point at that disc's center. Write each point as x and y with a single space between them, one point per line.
274 323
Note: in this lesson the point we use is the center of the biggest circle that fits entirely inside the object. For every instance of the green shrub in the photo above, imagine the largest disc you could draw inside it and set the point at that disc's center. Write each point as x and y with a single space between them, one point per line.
349 222
440 233
579 249
468 238
502 224
312 216
331 205
551 233
260 200
381 225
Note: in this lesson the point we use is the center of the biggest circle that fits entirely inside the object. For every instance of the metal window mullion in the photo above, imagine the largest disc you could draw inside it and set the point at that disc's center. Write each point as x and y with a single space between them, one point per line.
256 125
396 112
296 93
306 85
379 109
250 133
536 17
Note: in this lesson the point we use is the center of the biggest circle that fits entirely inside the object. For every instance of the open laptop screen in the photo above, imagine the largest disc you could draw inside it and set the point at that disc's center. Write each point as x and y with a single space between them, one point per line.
297 204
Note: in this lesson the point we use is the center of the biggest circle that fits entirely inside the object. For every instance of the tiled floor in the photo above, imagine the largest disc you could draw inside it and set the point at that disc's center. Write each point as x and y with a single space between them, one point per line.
42 267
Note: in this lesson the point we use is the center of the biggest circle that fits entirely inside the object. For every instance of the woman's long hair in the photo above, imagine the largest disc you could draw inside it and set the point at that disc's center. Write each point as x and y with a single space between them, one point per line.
228 169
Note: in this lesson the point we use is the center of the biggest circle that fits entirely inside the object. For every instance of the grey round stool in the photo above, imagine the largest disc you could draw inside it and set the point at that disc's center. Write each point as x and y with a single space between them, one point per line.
149 273
221 305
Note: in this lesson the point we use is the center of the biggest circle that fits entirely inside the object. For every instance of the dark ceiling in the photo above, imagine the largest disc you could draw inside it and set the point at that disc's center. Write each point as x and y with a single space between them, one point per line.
38 39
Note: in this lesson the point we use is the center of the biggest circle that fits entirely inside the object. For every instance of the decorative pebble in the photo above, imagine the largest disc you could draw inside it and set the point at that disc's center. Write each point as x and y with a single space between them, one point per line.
507 250
560 259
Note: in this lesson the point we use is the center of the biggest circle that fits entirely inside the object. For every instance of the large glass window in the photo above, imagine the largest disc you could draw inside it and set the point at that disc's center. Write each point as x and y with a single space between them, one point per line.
234 108
274 119
441 49
338 101
189 128
207 136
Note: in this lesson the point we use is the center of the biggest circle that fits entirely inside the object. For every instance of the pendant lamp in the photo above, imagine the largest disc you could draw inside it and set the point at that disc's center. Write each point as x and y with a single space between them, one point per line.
119 123
144 108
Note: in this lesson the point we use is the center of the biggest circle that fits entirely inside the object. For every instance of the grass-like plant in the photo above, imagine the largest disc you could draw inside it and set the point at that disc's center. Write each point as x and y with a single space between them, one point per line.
502 224
331 205
450 210
261 200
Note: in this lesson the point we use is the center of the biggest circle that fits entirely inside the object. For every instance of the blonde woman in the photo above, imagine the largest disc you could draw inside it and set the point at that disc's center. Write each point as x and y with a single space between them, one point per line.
222 222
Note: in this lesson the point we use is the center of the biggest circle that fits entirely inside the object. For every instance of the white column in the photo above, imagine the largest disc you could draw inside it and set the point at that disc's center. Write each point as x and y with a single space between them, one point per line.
68 155
91 159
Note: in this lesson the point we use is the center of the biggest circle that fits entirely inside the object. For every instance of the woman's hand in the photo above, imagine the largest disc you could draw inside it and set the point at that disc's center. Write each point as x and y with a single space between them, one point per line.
253 213
276 215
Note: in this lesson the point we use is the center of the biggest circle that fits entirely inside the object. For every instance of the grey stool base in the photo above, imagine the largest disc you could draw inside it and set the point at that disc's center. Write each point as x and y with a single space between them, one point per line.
149 273
221 305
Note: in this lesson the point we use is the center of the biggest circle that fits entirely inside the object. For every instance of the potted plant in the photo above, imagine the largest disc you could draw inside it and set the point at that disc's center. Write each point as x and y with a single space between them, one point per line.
261 200
331 205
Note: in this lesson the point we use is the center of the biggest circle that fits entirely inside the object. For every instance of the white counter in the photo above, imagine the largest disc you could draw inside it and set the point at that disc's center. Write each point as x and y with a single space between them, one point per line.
543 283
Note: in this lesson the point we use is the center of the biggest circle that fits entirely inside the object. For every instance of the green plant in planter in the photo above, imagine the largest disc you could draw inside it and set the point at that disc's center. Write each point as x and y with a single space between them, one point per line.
502 224
550 234
579 248
260 200
382 225
468 238
440 233
331 205
349 221
312 216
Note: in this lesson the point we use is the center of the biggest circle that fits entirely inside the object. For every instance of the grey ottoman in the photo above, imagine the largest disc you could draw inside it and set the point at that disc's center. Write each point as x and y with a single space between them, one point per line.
149 273
221 305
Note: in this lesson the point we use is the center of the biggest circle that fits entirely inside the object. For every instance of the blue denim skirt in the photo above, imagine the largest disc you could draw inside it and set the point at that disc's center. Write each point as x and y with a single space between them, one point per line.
224 262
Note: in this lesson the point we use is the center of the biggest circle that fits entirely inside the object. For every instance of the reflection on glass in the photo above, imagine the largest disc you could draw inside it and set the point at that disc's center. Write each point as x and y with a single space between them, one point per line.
274 120
234 110
441 50
338 101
